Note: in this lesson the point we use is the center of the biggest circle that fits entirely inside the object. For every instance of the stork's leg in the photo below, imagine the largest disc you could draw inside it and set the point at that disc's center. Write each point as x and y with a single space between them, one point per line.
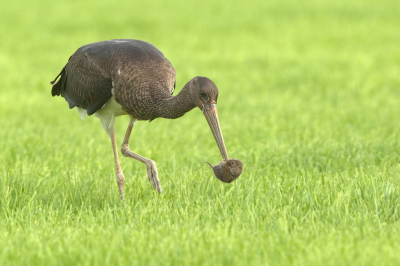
118 170
151 166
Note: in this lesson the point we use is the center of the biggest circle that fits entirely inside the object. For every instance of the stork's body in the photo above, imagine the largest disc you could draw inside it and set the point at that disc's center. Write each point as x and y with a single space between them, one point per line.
132 77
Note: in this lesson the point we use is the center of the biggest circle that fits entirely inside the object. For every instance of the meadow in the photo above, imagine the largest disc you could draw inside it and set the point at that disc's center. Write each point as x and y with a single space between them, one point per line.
309 101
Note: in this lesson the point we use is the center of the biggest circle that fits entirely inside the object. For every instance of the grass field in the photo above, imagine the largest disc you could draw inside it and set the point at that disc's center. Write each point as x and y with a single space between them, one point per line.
309 102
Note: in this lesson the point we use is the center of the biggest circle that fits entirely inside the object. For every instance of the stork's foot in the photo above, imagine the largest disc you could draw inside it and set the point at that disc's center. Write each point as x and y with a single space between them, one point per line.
152 174
121 182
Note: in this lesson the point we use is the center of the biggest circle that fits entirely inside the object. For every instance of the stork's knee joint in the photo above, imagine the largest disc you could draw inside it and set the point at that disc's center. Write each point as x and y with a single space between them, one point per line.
120 178
125 150
152 163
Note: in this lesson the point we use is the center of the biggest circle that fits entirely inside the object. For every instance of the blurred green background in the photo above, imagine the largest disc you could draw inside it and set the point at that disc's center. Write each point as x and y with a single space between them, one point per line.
309 102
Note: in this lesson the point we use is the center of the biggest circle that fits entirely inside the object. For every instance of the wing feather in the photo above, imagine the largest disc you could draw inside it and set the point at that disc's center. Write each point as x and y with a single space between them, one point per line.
83 83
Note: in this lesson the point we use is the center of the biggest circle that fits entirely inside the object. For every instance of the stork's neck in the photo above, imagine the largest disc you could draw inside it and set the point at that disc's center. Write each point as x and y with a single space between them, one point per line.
176 106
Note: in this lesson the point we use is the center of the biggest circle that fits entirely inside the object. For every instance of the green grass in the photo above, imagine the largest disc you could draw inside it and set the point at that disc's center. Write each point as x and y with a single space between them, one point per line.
309 102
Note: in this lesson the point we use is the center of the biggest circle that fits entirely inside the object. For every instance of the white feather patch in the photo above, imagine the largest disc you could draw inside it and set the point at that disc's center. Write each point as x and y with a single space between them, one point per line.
108 114
82 112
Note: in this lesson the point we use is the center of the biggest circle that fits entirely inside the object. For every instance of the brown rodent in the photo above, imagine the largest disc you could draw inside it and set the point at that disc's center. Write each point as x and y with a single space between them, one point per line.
227 170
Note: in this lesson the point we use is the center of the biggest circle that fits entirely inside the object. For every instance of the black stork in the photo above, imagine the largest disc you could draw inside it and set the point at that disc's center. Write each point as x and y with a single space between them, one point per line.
132 77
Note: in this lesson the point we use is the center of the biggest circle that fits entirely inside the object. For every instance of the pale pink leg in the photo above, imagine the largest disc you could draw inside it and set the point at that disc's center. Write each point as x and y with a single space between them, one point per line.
118 170
151 166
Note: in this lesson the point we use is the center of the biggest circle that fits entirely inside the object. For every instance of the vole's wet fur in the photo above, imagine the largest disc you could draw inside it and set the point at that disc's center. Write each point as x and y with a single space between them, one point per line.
228 171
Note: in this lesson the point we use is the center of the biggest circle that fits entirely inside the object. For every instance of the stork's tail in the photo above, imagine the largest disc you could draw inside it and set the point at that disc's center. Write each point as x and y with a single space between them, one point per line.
58 87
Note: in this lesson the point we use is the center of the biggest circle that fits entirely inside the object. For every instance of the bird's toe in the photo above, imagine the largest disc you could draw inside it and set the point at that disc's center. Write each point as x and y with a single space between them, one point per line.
152 174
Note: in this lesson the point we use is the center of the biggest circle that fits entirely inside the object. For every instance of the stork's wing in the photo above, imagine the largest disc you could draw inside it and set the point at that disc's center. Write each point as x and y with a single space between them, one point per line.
83 82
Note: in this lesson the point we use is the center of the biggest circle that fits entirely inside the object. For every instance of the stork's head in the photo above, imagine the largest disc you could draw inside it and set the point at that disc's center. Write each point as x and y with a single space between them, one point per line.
205 95
204 92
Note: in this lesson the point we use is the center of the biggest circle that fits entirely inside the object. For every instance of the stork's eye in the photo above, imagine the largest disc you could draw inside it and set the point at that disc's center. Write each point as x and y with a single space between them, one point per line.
203 94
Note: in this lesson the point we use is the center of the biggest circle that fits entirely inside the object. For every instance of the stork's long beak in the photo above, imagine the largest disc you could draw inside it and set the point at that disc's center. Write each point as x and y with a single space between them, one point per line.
210 112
